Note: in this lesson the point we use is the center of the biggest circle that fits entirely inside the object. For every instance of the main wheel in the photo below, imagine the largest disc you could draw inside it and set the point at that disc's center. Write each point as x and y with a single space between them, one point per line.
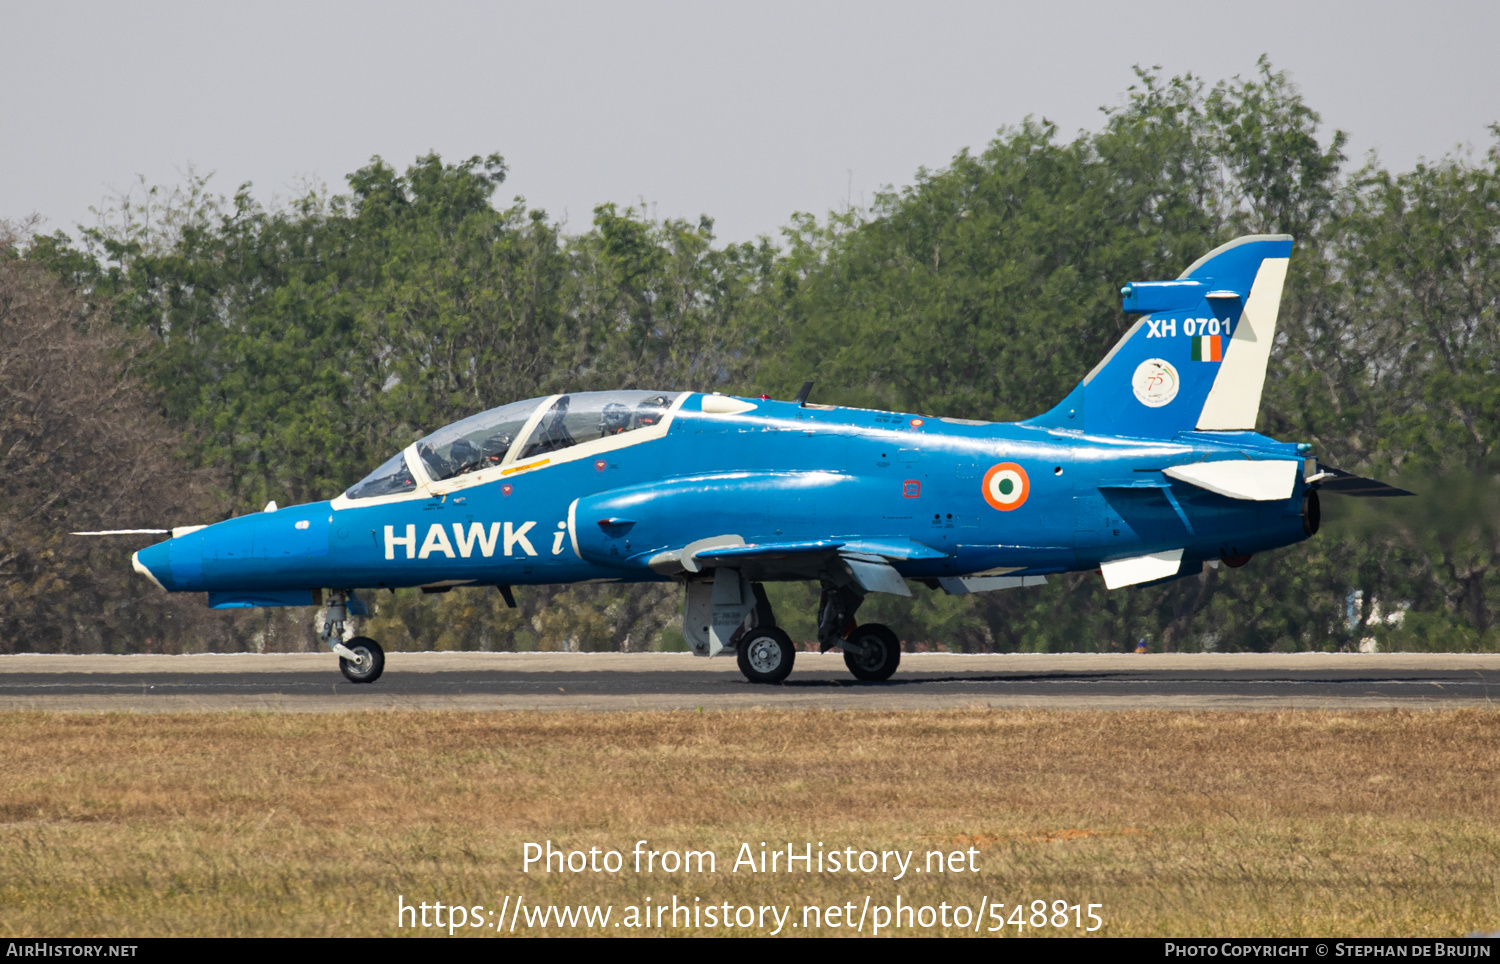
369 661
876 655
765 655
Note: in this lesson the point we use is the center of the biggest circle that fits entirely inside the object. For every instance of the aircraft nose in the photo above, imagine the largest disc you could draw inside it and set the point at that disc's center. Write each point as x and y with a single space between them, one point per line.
175 565
153 563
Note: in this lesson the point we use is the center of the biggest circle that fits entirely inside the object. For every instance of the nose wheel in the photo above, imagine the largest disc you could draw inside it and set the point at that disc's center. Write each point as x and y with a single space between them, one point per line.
367 662
361 659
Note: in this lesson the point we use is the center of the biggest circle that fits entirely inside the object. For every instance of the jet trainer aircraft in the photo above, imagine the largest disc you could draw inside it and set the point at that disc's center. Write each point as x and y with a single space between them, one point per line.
1147 471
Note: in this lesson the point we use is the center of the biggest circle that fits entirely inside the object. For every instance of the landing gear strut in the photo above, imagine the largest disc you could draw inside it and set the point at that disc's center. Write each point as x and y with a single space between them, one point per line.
361 659
872 651
731 612
764 652
836 615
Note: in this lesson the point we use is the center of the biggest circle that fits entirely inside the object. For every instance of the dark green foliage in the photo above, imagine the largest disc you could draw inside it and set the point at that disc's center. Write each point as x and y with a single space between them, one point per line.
298 347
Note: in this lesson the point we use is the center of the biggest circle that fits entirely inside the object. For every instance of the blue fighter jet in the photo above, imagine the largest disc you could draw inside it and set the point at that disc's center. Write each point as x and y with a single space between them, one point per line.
1147 471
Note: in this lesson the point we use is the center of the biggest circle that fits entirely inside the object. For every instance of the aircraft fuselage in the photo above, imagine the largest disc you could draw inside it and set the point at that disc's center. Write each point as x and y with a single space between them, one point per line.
774 474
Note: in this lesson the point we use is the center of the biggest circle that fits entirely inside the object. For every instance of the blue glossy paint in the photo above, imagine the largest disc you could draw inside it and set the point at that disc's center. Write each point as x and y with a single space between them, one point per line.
795 483
789 476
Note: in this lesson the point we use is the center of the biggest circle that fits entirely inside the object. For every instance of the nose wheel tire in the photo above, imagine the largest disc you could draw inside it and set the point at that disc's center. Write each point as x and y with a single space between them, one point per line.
766 655
368 665
875 654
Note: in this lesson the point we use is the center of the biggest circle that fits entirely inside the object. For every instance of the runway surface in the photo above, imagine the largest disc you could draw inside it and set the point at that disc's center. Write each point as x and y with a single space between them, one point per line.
669 681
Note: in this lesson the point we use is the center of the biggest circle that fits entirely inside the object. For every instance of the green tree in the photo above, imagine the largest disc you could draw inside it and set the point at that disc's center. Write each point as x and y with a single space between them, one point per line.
293 349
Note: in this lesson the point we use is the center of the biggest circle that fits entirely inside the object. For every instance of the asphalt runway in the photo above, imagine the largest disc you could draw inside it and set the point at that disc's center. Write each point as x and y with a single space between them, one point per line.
669 681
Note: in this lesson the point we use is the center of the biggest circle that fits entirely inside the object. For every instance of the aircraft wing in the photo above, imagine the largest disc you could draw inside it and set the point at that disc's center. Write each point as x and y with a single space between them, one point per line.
759 552
962 585
867 560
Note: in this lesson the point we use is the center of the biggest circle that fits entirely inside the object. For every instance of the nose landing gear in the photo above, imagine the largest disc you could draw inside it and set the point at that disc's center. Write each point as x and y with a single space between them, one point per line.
368 661
361 659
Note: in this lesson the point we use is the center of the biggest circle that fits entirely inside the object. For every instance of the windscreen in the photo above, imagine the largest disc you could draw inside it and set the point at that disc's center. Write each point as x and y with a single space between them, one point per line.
586 416
391 478
478 442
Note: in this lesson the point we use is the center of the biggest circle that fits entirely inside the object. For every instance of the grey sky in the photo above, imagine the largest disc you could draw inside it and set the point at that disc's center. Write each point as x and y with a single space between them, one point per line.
744 112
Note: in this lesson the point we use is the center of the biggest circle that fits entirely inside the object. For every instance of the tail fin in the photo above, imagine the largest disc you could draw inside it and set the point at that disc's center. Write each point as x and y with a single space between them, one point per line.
1196 358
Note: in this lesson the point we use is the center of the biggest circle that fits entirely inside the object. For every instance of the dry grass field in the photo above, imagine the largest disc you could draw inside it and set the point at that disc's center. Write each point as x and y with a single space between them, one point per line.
1232 824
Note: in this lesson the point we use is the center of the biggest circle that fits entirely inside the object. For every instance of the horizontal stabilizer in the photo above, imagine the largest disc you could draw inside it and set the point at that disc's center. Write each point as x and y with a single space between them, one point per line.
962 585
1138 569
1345 483
1259 481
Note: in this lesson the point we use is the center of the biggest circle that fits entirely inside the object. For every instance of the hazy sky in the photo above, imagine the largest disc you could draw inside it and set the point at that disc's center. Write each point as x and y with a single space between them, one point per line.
745 112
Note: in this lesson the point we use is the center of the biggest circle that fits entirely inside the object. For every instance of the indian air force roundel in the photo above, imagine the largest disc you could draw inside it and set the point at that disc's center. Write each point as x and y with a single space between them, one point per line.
1006 486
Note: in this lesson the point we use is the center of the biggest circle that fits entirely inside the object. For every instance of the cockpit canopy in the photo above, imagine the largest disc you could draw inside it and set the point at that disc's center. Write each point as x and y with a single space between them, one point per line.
518 431
479 441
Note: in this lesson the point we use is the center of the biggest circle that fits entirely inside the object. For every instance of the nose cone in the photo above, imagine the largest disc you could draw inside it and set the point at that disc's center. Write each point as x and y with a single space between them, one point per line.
152 562
175 565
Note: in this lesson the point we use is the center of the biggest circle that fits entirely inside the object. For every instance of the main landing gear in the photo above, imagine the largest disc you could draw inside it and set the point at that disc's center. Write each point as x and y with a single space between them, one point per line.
361 659
872 651
765 655
730 612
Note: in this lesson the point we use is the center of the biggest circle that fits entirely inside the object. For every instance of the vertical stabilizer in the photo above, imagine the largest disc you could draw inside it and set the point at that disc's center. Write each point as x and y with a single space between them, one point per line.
1196 357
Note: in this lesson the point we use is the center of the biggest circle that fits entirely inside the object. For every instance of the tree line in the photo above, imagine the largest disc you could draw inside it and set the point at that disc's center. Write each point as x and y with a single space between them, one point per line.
245 353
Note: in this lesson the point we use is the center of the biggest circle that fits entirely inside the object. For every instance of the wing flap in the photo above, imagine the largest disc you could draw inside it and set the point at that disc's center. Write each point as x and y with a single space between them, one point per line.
876 576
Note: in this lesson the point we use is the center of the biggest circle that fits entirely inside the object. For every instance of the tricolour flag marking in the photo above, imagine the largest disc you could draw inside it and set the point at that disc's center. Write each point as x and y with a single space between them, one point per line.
1208 348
